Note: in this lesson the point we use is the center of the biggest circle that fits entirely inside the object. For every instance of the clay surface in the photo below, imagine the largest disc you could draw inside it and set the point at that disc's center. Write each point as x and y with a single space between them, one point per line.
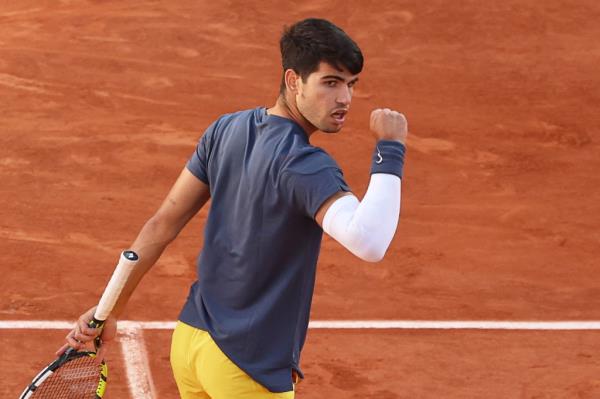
102 102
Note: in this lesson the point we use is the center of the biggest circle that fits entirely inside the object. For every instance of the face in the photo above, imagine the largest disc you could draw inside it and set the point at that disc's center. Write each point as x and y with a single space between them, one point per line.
324 99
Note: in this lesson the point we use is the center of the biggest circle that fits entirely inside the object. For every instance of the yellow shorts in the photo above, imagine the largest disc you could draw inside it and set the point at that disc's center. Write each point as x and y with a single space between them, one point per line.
203 371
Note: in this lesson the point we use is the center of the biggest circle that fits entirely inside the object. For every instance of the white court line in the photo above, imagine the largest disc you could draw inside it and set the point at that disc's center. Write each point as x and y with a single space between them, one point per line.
137 367
341 324
139 376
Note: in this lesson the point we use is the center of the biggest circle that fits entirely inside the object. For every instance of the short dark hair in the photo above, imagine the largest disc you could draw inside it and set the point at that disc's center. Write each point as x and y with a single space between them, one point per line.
310 41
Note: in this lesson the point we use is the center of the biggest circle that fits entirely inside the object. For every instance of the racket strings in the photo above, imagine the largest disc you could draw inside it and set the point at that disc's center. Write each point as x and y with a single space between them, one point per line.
76 379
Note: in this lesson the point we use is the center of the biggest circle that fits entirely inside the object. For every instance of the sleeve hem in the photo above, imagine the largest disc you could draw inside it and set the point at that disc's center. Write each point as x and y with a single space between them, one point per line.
198 175
330 193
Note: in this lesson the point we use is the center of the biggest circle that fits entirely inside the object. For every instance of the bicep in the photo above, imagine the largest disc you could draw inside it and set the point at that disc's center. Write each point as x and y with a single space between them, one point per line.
187 196
320 215
366 227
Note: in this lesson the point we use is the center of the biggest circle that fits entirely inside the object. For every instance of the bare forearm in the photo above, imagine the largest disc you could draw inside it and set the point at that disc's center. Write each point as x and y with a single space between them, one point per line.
186 198
150 243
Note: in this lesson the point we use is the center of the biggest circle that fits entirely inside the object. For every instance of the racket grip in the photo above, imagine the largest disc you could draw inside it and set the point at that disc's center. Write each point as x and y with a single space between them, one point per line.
95 323
119 277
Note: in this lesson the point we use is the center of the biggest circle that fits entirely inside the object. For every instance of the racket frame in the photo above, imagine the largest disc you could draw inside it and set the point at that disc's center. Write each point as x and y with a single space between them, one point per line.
122 271
48 371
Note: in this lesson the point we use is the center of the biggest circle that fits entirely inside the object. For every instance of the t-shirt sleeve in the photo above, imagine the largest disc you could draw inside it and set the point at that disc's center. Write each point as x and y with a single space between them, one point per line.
310 179
198 162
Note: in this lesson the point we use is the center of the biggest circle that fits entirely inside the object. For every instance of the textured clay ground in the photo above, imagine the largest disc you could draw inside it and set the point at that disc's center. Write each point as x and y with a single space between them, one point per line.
102 102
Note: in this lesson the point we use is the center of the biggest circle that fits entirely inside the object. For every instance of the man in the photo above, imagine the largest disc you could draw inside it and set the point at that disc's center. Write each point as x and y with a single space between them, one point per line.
244 324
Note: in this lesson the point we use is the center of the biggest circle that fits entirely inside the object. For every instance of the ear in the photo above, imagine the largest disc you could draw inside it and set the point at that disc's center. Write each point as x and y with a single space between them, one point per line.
291 81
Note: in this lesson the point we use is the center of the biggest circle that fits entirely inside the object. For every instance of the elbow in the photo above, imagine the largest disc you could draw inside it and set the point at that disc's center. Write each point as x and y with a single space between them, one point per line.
371 252
160 228
373 257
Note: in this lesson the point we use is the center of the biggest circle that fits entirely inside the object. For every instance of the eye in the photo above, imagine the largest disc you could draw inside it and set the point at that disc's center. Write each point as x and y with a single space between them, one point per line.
331 83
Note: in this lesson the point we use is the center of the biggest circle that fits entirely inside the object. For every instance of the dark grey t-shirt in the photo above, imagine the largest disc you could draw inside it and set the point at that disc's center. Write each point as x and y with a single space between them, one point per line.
256 272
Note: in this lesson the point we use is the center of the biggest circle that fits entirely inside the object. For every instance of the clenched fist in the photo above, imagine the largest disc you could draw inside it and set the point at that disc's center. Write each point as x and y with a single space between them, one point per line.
389 125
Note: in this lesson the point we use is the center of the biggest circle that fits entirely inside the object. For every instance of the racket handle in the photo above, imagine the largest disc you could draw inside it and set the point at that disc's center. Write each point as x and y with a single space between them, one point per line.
119 277
122 271
95 323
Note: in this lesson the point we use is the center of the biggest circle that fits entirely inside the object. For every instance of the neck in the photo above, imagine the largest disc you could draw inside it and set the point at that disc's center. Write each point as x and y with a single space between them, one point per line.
287 108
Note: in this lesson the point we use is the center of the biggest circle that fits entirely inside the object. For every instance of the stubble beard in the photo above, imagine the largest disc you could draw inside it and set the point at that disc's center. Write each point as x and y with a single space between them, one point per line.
332 130
320 124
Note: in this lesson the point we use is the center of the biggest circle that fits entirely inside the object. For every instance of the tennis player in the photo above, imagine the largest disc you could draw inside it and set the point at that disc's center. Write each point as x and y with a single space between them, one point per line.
243 326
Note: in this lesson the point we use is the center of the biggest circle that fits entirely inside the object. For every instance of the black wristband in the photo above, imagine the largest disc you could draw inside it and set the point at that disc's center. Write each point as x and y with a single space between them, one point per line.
388 157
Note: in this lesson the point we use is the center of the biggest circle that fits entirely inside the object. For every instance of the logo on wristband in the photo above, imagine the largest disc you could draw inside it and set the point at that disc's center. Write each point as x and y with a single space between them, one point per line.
380 160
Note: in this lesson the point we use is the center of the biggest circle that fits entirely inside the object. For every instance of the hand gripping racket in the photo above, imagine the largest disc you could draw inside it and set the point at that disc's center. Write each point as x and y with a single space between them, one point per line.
75 374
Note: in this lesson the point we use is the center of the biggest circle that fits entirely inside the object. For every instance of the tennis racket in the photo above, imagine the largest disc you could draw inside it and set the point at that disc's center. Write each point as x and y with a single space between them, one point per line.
76 374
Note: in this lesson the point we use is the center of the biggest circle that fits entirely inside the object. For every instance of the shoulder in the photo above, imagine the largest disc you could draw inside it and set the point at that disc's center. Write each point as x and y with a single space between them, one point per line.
226 122
236 117
308 160
233 117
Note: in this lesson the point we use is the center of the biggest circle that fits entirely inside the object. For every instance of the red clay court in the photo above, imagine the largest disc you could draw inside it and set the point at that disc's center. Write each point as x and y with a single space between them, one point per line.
102 102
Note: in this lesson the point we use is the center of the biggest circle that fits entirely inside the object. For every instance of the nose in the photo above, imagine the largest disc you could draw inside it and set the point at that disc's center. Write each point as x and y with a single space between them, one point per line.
344 97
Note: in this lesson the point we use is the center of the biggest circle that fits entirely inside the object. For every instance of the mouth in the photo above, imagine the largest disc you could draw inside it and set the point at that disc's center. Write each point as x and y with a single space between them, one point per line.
339 115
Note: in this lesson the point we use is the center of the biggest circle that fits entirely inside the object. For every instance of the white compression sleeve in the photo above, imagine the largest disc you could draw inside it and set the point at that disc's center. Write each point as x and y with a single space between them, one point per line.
366 228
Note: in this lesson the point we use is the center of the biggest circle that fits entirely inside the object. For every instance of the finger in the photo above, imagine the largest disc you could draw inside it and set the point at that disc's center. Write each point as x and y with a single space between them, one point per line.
373 115
380 119
403 121
102 351
83 338
77 335
87 330
84 327
401 116
85 333
73 343
62 350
